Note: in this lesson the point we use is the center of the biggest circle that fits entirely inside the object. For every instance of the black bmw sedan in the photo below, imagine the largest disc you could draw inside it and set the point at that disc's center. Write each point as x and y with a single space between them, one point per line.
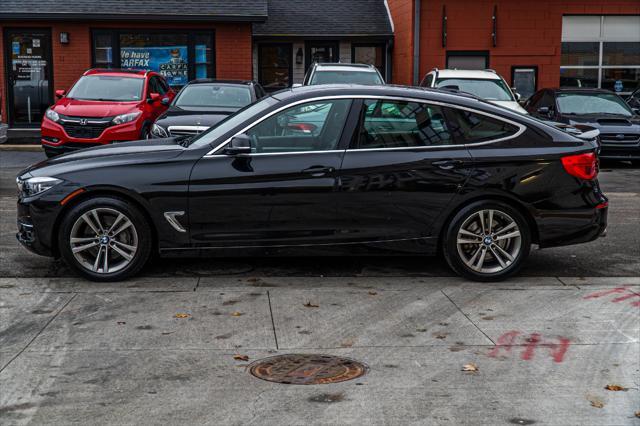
601 109
203 103
323 169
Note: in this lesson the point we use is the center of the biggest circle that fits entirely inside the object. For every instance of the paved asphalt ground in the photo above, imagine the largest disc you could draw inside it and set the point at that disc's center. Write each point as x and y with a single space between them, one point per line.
545 344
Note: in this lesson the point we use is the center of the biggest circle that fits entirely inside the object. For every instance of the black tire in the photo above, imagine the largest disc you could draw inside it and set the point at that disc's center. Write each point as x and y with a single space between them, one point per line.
468 215
145 133
114 206
49 153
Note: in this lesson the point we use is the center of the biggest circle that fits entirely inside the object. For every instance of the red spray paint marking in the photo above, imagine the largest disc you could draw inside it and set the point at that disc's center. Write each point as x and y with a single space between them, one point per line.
624 289
508 340
605 293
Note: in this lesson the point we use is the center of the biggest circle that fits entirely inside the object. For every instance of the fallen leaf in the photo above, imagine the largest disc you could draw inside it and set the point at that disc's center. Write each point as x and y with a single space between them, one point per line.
121 322
253 280
637 413
440 336
236 314
470 367
421 330
595 401
347 344
181 315
241 357
615 388
311 305
373 293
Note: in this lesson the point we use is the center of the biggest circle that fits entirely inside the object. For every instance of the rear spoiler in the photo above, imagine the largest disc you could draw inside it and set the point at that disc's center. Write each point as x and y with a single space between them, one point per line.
580 131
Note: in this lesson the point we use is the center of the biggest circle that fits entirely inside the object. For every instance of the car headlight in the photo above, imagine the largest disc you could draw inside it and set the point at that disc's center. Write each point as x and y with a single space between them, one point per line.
159 131
52 115
35 185
125 118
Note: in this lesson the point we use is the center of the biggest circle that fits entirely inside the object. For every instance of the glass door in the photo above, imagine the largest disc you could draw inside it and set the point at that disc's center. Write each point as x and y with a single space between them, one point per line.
28 59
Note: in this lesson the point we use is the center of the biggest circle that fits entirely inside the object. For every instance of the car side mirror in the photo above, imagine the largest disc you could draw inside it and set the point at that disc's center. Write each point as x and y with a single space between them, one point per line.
294 85
165 101
153 97
518 96
636 111
60 93
239 144
544 110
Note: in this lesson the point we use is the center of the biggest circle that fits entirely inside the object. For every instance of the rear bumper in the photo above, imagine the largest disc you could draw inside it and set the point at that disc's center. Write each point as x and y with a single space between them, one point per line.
562 228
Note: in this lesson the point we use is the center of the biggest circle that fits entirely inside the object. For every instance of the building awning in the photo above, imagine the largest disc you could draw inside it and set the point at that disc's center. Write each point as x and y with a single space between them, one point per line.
112 10
325 18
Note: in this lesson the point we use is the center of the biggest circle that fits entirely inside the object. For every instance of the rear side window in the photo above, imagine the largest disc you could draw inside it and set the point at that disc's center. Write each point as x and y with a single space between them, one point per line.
398 124
470 127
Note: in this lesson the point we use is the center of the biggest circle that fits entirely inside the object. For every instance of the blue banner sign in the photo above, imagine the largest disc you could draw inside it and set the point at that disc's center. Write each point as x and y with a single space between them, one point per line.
169 61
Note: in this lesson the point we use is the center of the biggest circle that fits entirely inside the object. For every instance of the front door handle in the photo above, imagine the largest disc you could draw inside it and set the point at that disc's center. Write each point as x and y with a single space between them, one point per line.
447 164
318 171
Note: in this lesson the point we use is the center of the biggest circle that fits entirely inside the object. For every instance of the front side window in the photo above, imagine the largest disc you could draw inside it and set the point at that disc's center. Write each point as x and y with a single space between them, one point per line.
490 90
346 77
107 88
472 127
207 95
399 124
600 103
314 126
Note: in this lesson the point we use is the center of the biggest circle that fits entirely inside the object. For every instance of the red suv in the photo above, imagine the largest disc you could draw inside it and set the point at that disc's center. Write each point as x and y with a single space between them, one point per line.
105 106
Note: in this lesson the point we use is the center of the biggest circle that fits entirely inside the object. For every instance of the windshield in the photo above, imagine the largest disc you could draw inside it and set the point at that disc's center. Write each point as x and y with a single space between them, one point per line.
107 88
489 90
215 132
208 95
592 103
346 77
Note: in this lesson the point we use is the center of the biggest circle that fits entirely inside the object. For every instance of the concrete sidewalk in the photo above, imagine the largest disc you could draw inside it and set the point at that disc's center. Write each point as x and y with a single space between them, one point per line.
545 348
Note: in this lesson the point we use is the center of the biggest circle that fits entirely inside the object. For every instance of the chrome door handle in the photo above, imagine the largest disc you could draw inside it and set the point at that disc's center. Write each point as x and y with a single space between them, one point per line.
447 164
318 171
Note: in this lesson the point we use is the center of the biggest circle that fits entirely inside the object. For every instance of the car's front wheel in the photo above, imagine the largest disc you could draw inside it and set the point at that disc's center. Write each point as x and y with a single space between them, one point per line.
487 241
105 239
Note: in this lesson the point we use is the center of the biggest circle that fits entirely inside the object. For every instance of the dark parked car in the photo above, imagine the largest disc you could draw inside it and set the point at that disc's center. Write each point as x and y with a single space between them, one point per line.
203 103
601 109
388 169
339 73
634 101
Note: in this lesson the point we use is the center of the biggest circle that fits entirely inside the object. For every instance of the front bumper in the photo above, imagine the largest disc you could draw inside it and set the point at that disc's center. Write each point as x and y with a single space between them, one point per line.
620 151
55 139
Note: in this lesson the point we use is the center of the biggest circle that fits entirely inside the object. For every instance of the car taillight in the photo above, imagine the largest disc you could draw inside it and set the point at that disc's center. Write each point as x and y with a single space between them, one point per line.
583 166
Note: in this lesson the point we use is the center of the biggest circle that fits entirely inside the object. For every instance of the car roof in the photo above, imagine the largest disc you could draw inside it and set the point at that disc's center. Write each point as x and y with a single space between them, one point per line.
217 81
118 72
585 90
342 67
471 74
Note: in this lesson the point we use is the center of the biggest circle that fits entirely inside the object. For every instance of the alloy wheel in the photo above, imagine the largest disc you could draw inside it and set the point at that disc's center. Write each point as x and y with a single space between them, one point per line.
104 240
489 241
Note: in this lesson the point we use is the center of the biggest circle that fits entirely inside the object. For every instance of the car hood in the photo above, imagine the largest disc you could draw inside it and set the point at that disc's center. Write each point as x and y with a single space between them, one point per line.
195 116
94 109
607 123
512 105
125 152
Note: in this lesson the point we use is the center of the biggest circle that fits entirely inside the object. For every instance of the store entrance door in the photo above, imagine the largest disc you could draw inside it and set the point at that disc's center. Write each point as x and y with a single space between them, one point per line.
29 67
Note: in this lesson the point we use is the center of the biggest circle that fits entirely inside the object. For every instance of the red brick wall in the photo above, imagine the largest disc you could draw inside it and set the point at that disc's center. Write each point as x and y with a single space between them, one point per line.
232 43
402 12
529 32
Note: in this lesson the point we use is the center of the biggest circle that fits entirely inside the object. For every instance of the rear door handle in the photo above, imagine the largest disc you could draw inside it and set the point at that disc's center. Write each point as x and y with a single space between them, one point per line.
318 171
447 164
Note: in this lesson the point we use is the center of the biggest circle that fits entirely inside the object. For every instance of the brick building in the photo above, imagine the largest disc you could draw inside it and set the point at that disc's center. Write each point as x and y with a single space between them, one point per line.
47 45
532 44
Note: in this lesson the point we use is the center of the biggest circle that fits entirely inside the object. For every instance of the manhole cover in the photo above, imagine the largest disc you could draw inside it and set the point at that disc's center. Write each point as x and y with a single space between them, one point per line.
307 369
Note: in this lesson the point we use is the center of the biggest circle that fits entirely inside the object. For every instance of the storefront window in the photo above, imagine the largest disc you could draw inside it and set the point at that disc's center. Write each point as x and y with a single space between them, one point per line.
601 51
274 66
372 55
178 56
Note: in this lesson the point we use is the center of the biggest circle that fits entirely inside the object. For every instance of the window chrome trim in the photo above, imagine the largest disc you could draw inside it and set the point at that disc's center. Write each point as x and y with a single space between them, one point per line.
521 127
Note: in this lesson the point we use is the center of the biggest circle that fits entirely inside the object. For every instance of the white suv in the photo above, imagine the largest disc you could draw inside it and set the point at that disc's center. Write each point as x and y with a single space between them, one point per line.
486 84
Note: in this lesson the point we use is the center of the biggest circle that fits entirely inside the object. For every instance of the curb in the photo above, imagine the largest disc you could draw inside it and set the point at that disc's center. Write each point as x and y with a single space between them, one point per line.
24 148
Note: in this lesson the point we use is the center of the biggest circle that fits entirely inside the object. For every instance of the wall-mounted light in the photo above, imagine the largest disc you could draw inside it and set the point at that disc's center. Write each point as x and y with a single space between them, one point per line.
64 38
299 56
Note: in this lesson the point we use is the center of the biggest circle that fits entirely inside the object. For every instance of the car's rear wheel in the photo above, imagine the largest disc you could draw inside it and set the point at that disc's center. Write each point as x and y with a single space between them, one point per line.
105 239
487 241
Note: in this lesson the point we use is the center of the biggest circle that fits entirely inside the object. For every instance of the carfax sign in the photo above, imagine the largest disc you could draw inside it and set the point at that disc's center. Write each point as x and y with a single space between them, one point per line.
169 61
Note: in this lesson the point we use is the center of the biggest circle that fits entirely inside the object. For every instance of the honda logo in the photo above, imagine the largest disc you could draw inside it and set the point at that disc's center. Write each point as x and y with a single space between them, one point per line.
83 121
